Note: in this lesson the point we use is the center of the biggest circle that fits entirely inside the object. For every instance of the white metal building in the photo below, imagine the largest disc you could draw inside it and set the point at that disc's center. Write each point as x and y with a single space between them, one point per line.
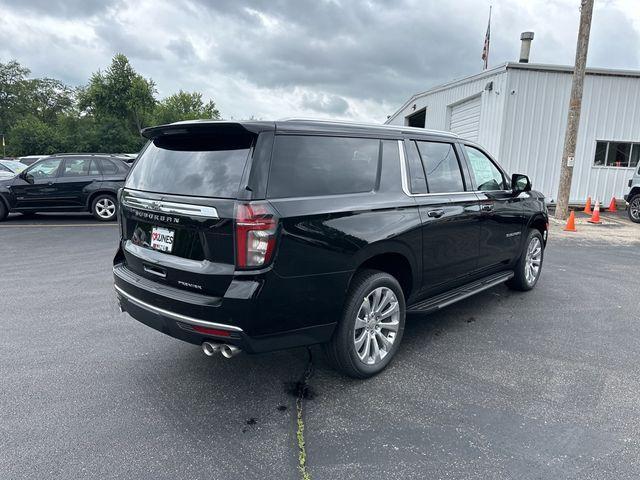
518 112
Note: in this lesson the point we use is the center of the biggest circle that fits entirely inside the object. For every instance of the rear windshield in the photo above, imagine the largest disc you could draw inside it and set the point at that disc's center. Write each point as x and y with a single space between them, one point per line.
303 166
194 165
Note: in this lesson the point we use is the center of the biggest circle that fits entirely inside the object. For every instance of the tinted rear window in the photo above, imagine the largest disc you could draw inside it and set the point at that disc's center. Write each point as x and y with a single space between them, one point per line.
303 166
108 167
203 166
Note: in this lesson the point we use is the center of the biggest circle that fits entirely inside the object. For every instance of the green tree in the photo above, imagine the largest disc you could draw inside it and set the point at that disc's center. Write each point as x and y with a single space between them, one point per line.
43 115
13 94
184 106
31 135
119 93
49 98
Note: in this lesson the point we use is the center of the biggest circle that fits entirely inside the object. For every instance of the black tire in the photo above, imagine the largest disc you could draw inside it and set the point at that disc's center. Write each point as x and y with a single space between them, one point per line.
3 211
341 350
521 281
634 209
99 204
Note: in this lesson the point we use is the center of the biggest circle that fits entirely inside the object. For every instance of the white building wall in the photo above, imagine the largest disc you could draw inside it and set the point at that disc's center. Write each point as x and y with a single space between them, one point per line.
535 121
440 101
523 120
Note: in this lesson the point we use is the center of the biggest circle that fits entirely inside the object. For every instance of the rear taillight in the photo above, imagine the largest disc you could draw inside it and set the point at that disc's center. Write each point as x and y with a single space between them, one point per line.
256 225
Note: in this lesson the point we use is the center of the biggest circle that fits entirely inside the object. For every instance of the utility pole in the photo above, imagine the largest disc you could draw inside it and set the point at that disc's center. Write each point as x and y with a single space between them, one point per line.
575 104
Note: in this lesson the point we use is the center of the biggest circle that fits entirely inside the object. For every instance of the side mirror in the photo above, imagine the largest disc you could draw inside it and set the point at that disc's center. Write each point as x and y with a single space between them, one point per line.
520 183
24 175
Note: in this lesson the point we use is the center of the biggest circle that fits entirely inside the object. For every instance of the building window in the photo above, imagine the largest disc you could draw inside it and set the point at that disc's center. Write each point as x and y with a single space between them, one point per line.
617 154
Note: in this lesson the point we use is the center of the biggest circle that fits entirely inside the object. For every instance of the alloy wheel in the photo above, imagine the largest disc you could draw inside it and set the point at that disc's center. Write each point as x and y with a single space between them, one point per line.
634 208
533 260
105 208
377 324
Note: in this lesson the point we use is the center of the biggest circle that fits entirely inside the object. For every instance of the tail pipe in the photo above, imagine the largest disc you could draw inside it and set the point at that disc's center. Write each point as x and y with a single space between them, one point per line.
210 348
229 351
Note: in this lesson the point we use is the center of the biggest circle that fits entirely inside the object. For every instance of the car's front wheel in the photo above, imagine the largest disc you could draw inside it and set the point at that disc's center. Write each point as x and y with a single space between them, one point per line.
370 331
634 208
104 208
529 266
3 211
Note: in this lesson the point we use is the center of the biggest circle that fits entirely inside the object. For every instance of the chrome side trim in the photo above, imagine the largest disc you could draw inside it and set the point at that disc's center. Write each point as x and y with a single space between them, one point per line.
175 316
405 179
162 206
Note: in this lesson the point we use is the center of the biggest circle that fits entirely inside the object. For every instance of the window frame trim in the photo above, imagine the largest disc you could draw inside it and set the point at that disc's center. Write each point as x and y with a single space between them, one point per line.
505 177
455 152
404 174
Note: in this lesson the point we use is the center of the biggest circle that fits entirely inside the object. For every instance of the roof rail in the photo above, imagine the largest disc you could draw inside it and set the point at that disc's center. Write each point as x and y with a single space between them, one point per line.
91 154
376 125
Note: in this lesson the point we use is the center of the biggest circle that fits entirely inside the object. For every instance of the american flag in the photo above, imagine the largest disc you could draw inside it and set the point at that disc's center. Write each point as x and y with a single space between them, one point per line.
487 38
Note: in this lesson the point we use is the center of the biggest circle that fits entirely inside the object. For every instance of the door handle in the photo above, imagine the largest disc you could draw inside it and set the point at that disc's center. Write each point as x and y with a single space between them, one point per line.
487 207
435 213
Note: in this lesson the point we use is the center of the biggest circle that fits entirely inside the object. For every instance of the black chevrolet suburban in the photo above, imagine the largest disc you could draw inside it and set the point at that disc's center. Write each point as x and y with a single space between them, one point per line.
257 236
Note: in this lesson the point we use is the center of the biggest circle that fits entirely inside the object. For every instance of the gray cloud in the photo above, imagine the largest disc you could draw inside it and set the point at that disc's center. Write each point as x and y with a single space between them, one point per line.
330 104
279 58
182 49
63 8
118 38
355 49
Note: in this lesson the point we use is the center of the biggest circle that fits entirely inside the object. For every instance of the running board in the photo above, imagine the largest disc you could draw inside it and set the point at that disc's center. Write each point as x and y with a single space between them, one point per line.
465 291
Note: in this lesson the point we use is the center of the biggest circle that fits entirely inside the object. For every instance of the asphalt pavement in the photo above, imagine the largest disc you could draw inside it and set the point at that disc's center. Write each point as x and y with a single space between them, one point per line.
534 385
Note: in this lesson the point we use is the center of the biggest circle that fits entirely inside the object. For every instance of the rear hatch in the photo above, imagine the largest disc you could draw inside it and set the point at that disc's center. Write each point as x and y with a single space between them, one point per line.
177 207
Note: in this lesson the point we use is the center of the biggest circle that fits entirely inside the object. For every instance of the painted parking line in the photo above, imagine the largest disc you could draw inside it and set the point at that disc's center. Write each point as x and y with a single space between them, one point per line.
43 225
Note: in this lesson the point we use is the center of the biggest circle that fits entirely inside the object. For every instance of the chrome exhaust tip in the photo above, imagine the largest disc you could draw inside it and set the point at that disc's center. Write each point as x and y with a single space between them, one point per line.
229 351
210 349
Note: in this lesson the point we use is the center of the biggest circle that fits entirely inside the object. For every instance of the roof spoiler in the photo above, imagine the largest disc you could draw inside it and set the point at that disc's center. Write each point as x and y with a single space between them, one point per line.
201 127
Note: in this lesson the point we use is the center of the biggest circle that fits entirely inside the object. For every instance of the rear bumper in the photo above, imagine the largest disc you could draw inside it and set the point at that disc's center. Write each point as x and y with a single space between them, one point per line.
230 319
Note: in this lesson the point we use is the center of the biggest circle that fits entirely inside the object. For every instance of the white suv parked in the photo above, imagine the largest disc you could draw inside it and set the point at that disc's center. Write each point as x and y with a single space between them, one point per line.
633 197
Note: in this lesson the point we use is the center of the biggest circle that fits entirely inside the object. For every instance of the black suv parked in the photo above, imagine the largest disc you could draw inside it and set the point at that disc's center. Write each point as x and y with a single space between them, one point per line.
258 236
66 183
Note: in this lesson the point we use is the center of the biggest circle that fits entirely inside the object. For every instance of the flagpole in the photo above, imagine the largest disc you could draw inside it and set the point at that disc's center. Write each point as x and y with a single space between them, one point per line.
489 39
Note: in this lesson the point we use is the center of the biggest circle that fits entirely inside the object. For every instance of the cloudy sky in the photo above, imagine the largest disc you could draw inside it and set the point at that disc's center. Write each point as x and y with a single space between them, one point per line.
320 58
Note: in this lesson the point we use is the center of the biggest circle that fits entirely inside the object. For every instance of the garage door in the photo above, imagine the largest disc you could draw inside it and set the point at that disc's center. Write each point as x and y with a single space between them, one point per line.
465 118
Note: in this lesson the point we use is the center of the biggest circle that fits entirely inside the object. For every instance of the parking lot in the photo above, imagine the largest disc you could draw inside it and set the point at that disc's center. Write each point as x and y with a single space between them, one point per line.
532 385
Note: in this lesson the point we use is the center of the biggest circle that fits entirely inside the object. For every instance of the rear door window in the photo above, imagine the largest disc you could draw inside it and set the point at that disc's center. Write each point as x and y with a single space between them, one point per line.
76 167
441 167
108 167
303 166
193 165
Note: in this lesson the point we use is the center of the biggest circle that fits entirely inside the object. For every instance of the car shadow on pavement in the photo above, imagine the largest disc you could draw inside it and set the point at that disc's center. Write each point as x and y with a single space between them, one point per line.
52 218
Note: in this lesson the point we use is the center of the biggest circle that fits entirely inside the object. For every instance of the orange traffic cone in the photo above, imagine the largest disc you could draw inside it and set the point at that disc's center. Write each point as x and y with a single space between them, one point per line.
571 223
612 205
595 218
587 207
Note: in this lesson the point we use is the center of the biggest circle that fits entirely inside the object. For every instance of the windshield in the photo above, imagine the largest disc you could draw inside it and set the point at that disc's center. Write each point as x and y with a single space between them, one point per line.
15 167
205 166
